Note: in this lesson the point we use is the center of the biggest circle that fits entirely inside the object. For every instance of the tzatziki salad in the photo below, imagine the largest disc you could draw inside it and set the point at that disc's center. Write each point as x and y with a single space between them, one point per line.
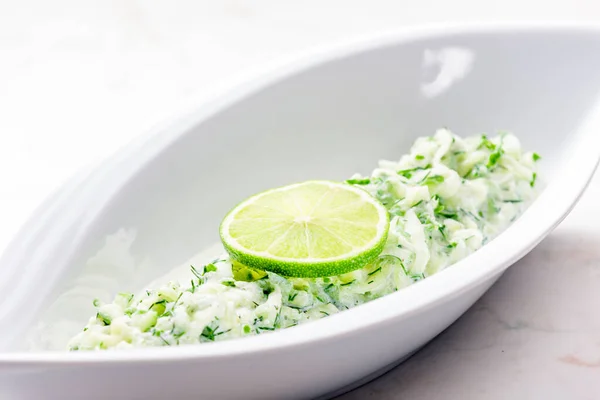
309 250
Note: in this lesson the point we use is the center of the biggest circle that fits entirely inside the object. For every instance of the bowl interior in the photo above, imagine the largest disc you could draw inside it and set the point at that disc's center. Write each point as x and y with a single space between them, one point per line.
327 121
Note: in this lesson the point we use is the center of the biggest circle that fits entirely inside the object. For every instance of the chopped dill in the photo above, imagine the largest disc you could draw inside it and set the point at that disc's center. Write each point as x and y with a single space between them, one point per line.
195 272
106 320
210 268
361 181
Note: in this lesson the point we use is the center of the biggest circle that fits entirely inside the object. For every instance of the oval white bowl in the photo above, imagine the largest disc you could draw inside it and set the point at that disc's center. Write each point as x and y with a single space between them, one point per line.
326 115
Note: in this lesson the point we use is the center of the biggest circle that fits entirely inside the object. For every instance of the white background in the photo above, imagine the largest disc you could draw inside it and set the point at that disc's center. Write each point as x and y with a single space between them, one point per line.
79 79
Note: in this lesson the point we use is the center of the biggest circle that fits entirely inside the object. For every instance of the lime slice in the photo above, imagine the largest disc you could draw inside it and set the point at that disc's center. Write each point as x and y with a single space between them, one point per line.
310 229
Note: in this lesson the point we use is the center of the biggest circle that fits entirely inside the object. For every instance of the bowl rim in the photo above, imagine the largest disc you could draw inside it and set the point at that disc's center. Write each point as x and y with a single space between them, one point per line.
545 214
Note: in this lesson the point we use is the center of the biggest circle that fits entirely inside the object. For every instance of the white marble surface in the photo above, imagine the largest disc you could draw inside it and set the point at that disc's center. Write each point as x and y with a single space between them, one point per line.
79 78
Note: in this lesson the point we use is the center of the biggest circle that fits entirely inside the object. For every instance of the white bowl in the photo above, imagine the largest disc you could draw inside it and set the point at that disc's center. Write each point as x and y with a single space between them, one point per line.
326 115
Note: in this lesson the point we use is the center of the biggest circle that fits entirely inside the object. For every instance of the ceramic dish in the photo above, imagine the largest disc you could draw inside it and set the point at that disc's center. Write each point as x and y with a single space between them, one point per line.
326 115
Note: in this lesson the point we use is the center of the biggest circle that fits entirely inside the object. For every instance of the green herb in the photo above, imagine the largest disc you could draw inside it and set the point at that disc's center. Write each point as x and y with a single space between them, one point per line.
348 283
267 290
277 322
512 201
423 218
440 209
209 268
246 328
196 273
210 333
442 229
470 214
368 283
477 171
246 274
177 332
407 173
106 320
228 283
432 179
158 333
374 271
384 196
324 313
533 178
193 288
127 296
177 299
492 208
158 307
417 203
265 328
419 157
164 341
418 277
448 214
451 245
424 178
96 303
494 157
536 157
360 181
388 259
403 268
488 144
291 297
396 210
